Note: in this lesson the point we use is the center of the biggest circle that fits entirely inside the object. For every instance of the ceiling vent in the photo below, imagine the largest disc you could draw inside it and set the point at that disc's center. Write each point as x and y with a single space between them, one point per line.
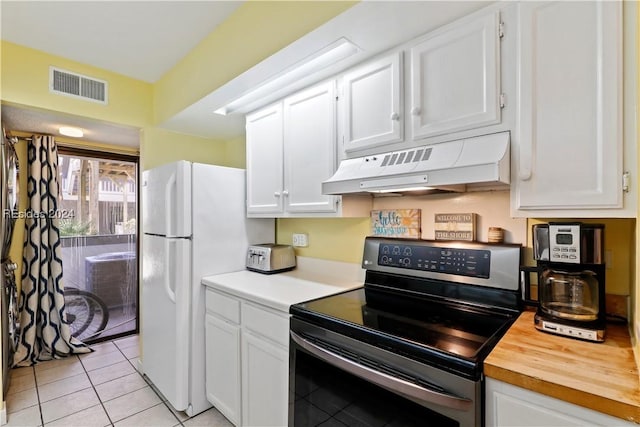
76 85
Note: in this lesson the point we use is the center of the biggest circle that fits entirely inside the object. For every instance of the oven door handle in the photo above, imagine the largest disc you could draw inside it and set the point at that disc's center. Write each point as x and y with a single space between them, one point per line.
404 388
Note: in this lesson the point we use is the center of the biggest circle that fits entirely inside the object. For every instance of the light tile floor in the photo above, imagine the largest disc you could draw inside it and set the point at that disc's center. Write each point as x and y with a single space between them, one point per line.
99 389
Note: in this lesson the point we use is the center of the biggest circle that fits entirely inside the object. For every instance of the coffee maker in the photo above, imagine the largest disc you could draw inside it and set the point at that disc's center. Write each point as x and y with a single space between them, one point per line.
571 279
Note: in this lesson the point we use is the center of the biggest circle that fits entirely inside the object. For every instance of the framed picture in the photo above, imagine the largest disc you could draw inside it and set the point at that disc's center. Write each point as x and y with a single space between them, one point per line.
455 226
396 223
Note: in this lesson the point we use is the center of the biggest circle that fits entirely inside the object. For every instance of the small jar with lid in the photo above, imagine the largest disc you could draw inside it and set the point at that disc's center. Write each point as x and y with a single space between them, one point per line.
496 235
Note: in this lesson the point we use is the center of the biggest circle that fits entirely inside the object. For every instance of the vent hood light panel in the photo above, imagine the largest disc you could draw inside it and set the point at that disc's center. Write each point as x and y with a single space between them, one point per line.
448 166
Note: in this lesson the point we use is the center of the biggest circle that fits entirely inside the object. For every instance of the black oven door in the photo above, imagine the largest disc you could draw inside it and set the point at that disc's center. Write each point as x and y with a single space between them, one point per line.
337 381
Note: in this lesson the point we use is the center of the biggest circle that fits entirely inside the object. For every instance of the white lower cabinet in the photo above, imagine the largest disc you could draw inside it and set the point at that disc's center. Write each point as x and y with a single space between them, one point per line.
265 382
247 360
512 406
222 347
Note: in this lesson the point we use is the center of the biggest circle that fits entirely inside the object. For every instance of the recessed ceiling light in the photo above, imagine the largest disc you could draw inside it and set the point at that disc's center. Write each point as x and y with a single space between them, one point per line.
71 131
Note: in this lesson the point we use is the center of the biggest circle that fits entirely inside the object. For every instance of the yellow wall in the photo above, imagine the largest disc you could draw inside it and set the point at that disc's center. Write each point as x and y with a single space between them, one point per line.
255 31
160 146
25 81
235 153
338 239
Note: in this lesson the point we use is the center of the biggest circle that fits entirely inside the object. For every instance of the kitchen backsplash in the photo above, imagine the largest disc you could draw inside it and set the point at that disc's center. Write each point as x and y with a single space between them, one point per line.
341 239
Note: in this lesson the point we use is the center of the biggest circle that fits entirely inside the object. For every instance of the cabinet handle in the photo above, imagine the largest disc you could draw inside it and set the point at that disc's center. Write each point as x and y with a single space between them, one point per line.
415 111
525 174
526 160
395 116
276 194
285 193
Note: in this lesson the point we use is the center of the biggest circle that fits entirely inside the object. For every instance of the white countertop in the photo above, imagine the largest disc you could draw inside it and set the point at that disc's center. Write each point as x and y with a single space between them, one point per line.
310 280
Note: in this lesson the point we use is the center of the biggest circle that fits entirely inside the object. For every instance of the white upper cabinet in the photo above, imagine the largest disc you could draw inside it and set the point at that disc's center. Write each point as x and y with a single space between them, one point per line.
455 78
264 160
372 104
569 124
291 150
309 148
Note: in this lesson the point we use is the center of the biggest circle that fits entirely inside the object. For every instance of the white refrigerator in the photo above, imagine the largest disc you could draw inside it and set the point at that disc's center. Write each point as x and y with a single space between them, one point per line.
194 224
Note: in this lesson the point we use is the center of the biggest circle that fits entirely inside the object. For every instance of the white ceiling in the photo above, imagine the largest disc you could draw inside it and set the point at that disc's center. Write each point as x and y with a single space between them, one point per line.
139 39
112 34
48 122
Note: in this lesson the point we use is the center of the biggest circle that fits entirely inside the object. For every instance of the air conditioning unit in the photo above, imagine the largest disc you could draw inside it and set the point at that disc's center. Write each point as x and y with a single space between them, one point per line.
63 82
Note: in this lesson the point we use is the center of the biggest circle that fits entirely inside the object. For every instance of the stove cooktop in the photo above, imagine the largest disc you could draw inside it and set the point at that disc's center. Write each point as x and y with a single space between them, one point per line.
455 337
442 303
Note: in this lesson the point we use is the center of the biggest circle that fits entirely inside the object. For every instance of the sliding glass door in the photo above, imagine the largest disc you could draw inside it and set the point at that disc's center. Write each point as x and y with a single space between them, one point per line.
99 234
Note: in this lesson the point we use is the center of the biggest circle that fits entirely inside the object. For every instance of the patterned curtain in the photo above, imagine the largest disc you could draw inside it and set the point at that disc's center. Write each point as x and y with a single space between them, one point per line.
44 333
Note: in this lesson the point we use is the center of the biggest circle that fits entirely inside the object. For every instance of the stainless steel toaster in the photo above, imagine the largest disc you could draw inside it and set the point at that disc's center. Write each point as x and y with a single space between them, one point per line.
269 258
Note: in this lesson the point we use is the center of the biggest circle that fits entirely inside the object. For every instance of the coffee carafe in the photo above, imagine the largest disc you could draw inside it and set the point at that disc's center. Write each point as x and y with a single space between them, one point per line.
571 279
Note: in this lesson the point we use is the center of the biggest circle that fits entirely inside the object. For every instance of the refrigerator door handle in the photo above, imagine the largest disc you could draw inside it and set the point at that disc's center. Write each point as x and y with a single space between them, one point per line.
169 202
182 271
167 271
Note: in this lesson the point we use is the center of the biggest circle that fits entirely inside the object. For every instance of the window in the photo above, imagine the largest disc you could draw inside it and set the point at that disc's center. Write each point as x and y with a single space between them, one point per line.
99 233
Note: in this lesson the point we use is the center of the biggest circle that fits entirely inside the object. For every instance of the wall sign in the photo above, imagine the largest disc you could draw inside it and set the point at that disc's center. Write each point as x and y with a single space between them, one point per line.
455 226
396 223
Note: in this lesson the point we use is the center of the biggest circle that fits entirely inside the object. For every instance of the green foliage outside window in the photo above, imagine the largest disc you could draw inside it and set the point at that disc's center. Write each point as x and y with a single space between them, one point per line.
70 227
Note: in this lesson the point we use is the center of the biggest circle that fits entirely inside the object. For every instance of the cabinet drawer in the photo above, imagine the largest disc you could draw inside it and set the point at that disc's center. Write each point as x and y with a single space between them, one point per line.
266 323
222 305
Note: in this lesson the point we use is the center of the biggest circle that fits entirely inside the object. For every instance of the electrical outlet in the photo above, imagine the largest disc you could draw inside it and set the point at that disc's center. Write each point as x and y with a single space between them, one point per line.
608 259
300 240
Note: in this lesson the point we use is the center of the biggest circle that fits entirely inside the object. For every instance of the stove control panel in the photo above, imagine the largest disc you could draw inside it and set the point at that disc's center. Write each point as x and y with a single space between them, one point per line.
458 261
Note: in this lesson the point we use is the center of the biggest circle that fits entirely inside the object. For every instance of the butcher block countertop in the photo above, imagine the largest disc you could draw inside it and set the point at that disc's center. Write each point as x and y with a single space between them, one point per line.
598 376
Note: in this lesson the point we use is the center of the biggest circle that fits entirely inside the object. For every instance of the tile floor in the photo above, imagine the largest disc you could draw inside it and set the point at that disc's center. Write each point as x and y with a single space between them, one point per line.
99 389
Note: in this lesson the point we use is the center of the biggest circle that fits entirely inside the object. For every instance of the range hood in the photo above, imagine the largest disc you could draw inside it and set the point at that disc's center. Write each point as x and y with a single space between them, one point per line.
482 161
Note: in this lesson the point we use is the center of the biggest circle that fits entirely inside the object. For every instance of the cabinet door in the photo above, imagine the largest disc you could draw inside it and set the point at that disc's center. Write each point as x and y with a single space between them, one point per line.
264 160
222 366
265 382
455 78
509 405
569 118
372 104
309 148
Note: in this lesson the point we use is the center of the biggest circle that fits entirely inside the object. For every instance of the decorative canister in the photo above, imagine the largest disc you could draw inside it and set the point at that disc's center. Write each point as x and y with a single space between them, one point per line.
496 235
